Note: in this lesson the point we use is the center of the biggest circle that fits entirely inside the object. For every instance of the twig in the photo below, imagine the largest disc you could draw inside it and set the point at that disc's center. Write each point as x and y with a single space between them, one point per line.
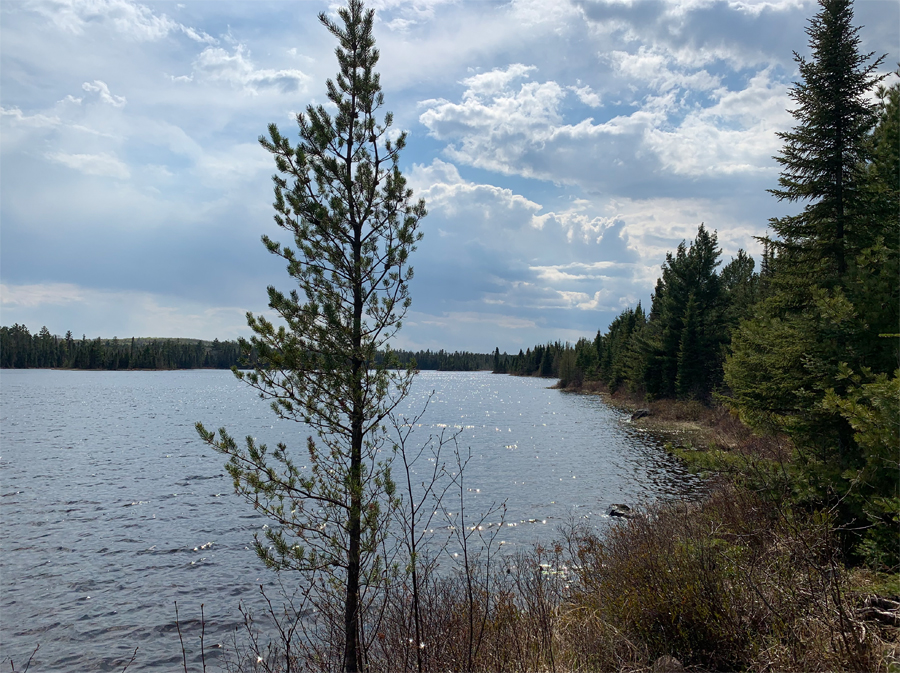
202 633
130 661
183 652
27 663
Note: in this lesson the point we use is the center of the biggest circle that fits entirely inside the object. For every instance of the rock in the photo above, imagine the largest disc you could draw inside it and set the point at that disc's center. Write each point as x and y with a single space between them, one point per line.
667 664
640 413
621 510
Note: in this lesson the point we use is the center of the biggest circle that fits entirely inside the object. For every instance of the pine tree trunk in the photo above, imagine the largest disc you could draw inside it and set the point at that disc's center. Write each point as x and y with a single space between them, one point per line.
351 604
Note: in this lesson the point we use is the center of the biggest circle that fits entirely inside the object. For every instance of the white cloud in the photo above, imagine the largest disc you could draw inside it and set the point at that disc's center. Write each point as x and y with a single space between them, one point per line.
586 95
496 124
217 65
738 134
585 302
650 66
129 19
15 115
29 296
101 88
472 318
688 125
92 164
443 189
576 222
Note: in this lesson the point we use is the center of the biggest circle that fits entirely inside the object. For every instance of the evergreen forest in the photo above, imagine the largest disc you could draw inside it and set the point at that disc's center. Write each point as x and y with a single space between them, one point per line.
19 349
804 347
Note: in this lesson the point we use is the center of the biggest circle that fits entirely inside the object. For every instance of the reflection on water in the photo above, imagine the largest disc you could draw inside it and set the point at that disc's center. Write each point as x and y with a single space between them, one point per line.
112 509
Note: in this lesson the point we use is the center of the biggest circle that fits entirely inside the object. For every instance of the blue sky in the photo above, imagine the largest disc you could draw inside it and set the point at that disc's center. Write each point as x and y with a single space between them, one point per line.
562 148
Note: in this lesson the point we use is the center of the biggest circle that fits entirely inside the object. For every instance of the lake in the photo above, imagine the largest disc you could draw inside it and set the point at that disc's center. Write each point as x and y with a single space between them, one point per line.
113 510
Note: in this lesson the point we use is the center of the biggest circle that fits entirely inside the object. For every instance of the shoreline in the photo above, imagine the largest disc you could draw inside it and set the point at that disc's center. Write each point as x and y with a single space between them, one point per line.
688 425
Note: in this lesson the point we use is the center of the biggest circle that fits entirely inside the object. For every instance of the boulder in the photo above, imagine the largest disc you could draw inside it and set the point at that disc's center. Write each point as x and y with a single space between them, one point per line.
640 413
620 510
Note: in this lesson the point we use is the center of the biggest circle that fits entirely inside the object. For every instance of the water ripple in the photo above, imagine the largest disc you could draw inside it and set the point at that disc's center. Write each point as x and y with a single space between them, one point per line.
112 509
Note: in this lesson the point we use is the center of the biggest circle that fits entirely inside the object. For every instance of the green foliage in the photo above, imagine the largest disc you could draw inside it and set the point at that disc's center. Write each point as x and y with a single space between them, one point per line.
684 359
676 350
831 304
873 411
445 361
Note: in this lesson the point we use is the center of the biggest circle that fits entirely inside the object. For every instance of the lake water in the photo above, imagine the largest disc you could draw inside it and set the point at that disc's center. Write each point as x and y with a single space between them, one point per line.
112 509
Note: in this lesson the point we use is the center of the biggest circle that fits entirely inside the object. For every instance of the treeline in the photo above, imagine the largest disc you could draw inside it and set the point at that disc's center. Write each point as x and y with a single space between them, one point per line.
19 349
441 360
677 349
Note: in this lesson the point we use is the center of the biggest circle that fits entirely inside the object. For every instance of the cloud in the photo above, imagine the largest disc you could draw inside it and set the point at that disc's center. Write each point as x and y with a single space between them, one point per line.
15 115
575 221
650 67
92 164
444 190
48 294
107 313
472 318
687 124
700 32
498 253
100 87
402 15
736 135
235 164
131 20
586 95
217 65
495 125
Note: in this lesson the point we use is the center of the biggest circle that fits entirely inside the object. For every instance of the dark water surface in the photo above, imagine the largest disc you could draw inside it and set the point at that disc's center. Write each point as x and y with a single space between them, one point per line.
111 509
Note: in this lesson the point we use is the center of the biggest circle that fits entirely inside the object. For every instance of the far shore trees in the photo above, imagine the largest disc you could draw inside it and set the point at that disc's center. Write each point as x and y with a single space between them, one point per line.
340 194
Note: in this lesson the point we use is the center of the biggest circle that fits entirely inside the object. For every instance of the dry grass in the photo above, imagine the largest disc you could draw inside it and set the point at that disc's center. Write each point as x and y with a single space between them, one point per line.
734 584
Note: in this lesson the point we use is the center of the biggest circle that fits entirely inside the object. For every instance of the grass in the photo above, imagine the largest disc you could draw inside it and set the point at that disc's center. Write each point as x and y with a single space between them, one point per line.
734 584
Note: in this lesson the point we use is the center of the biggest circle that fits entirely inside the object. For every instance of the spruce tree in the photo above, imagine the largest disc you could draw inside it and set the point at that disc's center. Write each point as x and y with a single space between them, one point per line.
824 161
830 274
689 275
340 194
824 157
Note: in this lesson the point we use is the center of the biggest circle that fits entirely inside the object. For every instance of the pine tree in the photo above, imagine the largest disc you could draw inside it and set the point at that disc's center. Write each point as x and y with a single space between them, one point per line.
341 195
690 379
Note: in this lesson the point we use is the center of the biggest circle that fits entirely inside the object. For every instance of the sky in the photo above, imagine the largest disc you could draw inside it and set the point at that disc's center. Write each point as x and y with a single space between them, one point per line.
562 149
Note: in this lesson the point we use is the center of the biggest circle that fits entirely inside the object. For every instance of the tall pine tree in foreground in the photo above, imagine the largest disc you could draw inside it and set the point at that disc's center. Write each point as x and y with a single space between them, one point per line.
831 267
339 193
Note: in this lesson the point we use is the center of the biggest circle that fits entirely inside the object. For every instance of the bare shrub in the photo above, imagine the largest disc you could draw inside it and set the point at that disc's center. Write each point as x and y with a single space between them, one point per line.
736 584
